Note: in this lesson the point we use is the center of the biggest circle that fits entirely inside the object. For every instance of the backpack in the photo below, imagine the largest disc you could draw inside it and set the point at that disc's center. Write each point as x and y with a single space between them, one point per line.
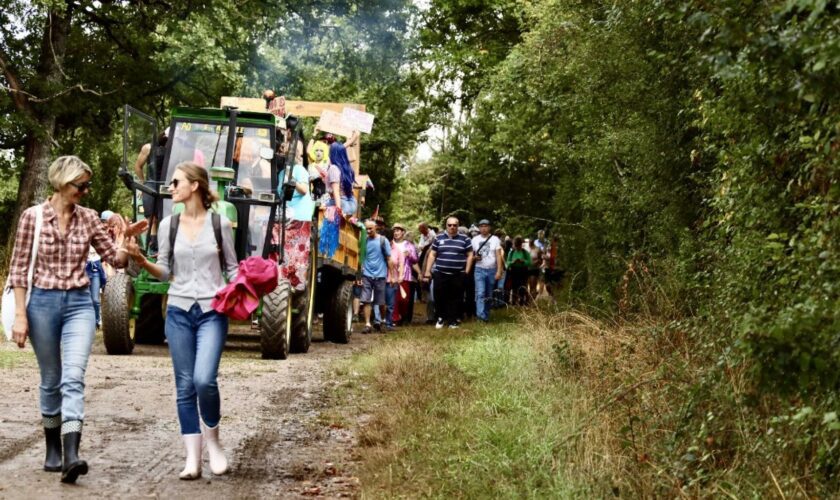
216 219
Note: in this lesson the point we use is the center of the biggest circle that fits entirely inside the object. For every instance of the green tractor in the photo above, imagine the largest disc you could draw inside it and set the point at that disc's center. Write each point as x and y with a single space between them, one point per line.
238 148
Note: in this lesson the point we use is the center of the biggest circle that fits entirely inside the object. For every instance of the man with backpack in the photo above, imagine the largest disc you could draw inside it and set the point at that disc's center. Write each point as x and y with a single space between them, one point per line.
488 268
374 273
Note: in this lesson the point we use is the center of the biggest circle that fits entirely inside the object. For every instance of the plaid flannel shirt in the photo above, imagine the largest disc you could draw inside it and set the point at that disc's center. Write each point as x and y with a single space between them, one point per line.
61 258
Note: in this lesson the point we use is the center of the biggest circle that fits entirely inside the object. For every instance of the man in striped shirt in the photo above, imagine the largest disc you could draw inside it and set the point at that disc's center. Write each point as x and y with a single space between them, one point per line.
449 261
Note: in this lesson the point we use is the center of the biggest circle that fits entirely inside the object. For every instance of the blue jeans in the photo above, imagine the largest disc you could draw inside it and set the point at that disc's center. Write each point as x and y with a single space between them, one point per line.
196 341
62 328
390 300
485 281
95 288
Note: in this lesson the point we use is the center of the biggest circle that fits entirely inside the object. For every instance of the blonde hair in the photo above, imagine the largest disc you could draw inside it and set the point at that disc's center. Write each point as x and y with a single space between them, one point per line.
196 173
66 169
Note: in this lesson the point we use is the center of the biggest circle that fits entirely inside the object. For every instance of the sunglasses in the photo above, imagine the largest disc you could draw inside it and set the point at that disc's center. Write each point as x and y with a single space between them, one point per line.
452 225
174 183
85 186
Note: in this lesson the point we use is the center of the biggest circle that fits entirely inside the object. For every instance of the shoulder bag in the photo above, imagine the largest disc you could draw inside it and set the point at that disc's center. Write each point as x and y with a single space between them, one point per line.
8 303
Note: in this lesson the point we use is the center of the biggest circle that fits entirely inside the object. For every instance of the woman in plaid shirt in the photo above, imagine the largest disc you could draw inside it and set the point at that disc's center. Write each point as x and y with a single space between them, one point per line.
59 318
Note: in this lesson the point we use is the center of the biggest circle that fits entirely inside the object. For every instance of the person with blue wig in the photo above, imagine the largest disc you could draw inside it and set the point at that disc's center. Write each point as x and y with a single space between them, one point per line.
340 179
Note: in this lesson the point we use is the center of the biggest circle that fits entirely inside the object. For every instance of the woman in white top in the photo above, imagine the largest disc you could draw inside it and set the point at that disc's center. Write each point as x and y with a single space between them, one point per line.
195 332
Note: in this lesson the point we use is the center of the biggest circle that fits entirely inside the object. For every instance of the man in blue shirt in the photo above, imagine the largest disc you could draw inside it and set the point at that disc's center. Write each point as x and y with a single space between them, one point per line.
374 273
449 261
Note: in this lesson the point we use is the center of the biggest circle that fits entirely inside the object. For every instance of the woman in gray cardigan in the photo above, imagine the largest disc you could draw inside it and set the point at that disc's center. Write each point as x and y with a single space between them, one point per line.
195 332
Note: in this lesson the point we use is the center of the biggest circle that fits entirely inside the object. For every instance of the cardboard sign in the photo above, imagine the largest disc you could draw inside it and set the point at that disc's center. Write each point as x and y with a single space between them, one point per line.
333 123
357 120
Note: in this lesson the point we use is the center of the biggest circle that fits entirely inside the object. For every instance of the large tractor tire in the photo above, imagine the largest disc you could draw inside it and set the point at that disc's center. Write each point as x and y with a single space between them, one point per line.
149 325
302 322
276 322
117 300
338 316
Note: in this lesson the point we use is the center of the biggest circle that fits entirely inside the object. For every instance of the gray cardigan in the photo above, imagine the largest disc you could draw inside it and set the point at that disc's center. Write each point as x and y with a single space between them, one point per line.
196 275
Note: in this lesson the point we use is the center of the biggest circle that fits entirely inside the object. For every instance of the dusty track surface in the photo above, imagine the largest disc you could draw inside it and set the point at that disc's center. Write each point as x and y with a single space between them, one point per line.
274 428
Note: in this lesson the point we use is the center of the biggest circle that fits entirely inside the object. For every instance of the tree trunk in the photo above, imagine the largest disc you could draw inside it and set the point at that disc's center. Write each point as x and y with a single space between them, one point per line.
47 81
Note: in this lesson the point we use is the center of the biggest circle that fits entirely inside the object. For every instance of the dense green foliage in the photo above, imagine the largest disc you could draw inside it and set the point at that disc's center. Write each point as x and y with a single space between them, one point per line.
685 153
157 55
698 140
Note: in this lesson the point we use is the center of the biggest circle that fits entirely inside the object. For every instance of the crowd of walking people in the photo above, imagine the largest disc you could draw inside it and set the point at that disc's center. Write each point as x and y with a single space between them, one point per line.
458 272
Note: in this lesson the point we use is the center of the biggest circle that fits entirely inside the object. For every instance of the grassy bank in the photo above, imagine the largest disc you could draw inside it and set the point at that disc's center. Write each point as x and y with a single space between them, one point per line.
477 412
559 405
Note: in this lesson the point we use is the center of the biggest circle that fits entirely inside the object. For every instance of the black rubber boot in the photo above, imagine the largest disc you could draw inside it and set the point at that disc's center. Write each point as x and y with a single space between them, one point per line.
73 467
53 461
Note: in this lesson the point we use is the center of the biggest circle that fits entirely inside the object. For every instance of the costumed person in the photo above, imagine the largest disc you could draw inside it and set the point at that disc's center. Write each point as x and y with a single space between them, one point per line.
319 163
340 179
403 258
196 269
59 317
299 212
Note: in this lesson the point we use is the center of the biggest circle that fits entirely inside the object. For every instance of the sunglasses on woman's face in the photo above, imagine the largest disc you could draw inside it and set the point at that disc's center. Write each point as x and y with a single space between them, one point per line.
84 186
174 183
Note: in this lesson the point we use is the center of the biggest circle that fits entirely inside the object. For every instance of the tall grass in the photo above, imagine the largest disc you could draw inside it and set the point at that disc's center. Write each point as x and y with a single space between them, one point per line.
472 414
556 404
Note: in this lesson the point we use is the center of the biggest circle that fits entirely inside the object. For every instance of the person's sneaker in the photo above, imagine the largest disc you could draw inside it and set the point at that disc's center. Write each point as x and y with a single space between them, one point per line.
377 327
390 328
439 324
366 329
454 325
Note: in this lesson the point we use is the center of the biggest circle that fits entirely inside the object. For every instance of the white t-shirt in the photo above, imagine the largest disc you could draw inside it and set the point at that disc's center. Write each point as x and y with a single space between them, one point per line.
486 258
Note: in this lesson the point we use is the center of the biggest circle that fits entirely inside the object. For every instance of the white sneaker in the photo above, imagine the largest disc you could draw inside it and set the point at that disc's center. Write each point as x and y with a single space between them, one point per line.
439 324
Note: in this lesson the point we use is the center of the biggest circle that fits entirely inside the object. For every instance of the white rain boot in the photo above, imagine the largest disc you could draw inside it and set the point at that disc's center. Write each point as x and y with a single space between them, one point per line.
192 468
218 462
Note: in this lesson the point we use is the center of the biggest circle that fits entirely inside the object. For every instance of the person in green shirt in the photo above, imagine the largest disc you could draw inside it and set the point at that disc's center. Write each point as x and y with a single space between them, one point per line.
518 261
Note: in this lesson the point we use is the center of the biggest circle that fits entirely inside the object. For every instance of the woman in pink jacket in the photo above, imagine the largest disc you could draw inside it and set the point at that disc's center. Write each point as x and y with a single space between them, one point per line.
403 257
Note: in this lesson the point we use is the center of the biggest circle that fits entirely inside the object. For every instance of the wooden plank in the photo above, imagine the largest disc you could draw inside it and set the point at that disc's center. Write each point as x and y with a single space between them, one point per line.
313 108
298 108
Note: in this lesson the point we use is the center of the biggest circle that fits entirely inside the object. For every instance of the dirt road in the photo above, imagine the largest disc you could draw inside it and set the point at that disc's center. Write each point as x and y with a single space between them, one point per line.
275 427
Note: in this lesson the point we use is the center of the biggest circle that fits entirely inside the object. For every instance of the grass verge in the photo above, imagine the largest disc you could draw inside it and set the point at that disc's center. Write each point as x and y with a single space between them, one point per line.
556 404
475 413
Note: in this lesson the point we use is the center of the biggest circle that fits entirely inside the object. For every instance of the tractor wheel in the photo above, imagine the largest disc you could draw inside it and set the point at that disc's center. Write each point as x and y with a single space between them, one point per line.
304 303
276 322
117 300
148 327
302 322
338 316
